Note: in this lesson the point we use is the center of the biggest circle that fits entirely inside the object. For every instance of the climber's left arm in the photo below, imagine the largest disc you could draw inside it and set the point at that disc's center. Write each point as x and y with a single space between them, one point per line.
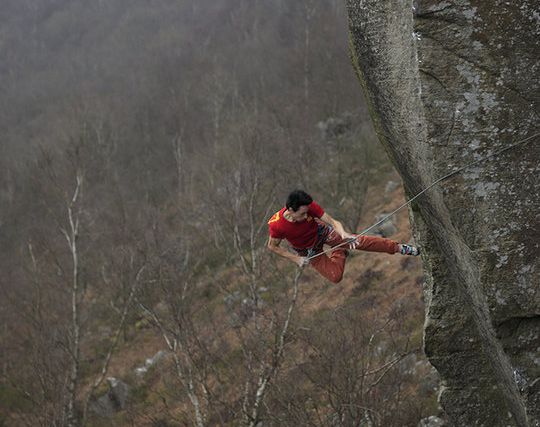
338 226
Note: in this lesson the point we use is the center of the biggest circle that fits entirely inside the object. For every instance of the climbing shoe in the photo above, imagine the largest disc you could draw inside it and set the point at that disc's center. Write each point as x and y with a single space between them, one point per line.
409 250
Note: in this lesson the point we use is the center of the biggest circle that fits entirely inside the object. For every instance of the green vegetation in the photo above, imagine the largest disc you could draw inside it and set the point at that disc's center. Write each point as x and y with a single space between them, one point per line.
12 400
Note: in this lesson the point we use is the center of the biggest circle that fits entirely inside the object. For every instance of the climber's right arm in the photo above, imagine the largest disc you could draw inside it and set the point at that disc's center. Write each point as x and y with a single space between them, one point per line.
273 245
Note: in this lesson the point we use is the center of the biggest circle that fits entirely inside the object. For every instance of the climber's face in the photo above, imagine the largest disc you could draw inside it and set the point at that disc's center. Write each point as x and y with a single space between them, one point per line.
299 215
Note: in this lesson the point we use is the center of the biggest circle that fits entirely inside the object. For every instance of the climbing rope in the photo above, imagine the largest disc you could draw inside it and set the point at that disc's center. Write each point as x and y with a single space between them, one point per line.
444 178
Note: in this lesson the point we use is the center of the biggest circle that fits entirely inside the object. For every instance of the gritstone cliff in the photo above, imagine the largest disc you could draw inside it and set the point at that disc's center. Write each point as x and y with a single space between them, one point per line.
448 83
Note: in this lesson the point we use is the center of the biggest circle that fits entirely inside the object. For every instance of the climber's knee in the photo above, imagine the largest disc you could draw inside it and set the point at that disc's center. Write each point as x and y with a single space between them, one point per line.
336 277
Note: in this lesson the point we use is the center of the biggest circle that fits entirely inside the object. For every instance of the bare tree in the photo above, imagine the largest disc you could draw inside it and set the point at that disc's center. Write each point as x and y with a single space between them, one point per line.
179 158
353 362
309 12
113 345
72 236
169 302
197 146
268 368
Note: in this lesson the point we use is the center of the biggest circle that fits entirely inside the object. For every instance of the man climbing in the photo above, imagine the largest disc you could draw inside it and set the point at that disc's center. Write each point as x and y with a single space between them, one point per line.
305 225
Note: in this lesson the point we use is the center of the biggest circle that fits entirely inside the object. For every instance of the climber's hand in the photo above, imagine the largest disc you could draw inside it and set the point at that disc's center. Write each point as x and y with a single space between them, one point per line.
302 261
349 236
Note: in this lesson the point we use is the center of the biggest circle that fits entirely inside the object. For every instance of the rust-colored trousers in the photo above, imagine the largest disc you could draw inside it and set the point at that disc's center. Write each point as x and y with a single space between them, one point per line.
332 266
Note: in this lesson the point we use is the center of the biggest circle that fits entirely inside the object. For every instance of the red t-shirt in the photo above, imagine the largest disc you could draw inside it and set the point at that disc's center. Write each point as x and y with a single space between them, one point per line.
300 235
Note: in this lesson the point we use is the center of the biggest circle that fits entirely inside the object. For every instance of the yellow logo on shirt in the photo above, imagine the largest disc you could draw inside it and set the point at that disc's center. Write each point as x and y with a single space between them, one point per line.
274 218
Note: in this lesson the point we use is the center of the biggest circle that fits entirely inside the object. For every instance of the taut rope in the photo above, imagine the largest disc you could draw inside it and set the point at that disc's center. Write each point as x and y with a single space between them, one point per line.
346 242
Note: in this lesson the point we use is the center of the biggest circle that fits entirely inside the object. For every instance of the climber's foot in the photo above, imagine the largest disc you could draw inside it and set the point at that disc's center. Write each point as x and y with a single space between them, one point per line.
405 249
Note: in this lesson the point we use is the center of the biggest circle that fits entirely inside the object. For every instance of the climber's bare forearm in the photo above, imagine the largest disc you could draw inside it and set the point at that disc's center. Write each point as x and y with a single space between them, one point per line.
273 245
338 226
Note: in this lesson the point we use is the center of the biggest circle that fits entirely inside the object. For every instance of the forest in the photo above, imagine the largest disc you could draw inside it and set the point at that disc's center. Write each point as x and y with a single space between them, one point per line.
144 145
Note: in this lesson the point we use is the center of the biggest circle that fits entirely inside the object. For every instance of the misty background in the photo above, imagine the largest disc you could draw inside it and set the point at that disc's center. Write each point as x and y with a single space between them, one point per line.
143 147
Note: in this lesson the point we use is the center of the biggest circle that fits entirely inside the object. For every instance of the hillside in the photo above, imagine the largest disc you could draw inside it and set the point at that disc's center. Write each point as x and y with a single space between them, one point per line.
144 146
333 320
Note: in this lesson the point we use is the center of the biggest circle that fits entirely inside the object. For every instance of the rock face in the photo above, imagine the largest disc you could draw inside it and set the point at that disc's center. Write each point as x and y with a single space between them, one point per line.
150 362
432 421
385 229
449 83
113 401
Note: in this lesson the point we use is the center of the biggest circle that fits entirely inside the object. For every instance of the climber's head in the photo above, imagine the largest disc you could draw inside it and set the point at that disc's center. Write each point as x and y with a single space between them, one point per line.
297 205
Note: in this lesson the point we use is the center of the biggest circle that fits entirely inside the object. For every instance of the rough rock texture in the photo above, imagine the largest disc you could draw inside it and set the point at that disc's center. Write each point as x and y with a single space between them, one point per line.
432 421
112 401
449 83
387 228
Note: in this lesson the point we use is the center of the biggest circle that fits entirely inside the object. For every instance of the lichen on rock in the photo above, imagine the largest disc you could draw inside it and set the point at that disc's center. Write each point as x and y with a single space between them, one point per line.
449 83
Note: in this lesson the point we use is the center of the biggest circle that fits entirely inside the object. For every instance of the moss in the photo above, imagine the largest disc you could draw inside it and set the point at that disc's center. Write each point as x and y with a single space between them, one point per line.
416 337
414 207
139 393
430 405
143 323
12 400
102 389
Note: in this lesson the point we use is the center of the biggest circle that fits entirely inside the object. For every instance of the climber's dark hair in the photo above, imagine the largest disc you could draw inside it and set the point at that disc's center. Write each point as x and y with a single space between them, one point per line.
298 198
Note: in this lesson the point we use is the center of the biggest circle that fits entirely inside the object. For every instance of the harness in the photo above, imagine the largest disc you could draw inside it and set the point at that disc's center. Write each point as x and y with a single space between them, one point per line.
323 231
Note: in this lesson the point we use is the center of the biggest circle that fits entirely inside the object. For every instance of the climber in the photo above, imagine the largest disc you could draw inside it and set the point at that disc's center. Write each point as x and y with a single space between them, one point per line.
305 225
